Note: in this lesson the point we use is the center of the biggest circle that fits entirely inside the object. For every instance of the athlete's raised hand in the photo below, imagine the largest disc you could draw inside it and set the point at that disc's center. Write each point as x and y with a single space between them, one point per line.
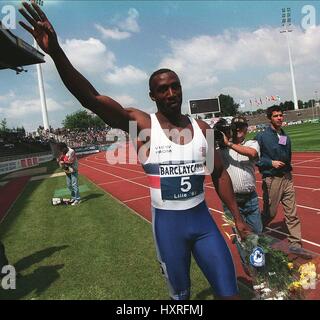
41 29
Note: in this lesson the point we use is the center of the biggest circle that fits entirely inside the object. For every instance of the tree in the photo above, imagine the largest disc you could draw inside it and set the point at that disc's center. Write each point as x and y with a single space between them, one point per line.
228 106
21 131
260 111
98 123
3 125
83 120
287 105
310 103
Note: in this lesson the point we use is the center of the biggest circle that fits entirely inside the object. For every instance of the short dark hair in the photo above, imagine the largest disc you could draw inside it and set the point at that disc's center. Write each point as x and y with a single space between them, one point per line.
160 71
272 109
62 147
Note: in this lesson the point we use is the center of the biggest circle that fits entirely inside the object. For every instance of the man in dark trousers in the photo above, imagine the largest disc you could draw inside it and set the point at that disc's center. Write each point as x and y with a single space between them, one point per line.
277 185
173 154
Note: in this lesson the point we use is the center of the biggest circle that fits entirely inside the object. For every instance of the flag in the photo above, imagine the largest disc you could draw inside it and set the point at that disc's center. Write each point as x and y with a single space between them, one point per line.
242 104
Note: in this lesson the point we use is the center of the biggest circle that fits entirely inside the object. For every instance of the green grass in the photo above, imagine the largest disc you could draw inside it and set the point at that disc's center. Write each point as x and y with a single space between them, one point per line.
97 250
304 137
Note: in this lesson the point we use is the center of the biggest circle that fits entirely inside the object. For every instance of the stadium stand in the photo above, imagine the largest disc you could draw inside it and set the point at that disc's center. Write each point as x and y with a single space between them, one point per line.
290 115
77 138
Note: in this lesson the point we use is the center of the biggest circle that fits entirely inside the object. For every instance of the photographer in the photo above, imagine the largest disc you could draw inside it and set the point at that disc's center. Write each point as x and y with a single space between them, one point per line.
69 163
221 129
239 158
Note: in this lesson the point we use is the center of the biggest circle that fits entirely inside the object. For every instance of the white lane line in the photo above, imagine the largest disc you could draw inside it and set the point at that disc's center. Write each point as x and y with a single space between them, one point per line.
307 241
105 183
124 179
285 234
298 187
208 186
113 166
296 155
298 205
136 199
277 231
305 175
132 170
294 174
313 159
305 207
305 167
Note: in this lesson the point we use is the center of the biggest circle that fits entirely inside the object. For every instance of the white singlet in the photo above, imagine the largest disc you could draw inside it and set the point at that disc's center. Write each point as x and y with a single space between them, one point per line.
176 172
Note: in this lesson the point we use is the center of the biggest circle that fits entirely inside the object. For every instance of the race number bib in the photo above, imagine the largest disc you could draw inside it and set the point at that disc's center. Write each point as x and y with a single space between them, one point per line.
181 181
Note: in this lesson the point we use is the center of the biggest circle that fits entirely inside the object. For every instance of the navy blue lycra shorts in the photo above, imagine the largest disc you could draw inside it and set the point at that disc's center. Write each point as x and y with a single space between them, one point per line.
177 234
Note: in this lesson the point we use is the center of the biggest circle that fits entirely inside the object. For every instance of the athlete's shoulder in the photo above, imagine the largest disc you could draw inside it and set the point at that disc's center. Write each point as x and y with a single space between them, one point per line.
143 118
135 112
205 128
202 124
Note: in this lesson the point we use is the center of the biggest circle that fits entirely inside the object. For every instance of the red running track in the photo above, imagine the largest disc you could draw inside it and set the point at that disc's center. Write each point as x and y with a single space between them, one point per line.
9 194
129 184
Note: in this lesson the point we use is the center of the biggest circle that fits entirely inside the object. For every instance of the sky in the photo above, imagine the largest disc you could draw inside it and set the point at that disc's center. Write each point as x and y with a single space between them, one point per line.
216 47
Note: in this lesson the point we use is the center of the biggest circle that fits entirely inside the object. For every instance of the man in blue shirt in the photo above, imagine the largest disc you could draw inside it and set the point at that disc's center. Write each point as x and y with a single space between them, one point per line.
277 185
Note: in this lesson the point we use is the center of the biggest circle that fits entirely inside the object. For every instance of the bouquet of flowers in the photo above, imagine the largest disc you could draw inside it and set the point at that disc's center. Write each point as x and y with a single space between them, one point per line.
274 276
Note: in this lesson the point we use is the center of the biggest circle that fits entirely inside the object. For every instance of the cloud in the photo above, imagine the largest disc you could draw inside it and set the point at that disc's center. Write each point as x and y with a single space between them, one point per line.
123 29
252 62
125 100
89 55
131 23
279 80
126 75
244 93
10 95
114 33
205 57
18 109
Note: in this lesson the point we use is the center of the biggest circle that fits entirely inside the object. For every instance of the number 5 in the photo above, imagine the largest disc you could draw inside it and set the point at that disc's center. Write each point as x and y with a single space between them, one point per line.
185 184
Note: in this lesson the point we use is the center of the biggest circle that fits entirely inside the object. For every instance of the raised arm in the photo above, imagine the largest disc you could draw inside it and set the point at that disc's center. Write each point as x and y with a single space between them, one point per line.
247 151
105 107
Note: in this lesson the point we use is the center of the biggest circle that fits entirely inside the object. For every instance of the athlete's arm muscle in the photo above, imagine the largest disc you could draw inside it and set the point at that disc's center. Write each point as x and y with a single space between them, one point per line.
105 107
222 181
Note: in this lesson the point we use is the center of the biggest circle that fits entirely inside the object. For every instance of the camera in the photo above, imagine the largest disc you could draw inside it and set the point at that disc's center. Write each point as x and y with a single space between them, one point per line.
222 126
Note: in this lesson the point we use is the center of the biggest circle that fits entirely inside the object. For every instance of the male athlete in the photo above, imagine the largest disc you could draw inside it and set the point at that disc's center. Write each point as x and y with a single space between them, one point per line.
174 156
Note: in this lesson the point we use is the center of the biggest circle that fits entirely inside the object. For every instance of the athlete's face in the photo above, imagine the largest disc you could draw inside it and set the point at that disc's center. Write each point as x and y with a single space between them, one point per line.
167 94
